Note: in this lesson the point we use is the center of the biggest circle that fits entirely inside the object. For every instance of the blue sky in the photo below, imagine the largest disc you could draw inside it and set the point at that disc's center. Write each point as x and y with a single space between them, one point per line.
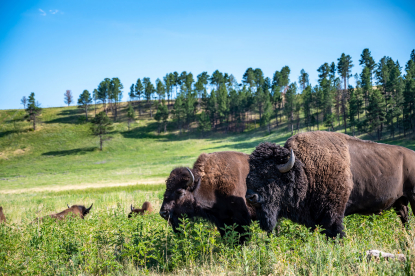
48 47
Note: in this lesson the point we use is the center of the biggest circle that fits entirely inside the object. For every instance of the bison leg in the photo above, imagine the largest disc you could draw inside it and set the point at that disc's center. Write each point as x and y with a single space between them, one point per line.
333 228
401 209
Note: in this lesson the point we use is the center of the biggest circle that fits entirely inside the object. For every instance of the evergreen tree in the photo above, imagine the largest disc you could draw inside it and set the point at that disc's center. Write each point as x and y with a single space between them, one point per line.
139 91
212 107
95 97
23 101
83 101
33 110
178 111
344 68
101 125
222 101
130 115
103 92
203 122
409 94
217 79
160 89
115 94
132 93
307 99
148 92
303 79
290 104
376 112
267 112
353 110
162 115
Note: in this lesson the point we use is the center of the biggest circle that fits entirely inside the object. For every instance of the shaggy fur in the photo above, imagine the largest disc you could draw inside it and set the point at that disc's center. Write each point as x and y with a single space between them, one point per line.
2 217
334 175
74 210
146 208
217 194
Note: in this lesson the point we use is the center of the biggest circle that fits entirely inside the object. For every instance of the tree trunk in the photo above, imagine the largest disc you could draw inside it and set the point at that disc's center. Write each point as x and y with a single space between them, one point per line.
34 122
165 125
100 142
86 112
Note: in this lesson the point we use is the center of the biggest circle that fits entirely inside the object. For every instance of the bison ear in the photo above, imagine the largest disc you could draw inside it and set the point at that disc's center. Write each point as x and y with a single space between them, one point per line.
132 208
192 178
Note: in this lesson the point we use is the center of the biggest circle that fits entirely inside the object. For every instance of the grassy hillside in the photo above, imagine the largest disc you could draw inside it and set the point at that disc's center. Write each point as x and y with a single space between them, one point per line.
64 153
41 170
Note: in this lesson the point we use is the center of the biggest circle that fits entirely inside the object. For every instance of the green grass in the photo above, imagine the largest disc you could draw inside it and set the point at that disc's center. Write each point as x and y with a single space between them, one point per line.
41 171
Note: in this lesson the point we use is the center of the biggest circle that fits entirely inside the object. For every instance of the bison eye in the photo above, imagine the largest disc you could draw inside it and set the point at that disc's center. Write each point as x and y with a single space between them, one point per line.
180 192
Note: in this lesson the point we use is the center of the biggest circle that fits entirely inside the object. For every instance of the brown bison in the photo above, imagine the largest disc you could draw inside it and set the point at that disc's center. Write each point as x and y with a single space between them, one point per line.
329 176
75 210
2 217
214 189
146 208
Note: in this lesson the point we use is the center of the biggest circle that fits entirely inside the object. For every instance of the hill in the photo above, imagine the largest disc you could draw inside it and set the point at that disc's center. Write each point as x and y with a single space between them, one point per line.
62 153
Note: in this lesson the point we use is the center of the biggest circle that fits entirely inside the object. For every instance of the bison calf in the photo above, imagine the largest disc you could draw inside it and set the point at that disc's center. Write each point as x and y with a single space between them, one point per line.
145 208
75 210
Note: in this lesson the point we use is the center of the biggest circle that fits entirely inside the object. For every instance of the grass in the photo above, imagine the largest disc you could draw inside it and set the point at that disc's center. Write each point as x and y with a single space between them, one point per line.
44 170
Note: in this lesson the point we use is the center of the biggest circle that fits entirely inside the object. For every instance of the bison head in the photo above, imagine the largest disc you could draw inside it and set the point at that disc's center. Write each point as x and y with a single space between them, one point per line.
271 182
81 209
178 197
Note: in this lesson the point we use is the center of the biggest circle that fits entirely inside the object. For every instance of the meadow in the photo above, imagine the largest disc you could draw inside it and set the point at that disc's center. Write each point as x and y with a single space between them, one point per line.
44 170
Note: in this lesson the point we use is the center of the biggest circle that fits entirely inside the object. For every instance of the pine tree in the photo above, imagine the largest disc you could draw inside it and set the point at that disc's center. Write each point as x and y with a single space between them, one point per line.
101 125
212 107
290 104
130 115
178 111
160 89
33 110
148 92
307 99
139 91
83 101
203 122
267 112
376 112
162 115
103 92
409 94
132 93
115 94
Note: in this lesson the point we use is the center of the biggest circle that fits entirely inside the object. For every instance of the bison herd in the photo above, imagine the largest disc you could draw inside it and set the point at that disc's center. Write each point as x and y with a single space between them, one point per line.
315 179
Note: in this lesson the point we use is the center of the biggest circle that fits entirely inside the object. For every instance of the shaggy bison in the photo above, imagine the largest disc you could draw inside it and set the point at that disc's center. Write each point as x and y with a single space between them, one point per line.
145 208
214 189
75 210
2 217
317 178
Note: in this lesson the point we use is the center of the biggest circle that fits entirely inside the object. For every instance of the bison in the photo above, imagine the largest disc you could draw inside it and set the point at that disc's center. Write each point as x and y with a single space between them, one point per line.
2 217
75 210
214 189
145 208
319 177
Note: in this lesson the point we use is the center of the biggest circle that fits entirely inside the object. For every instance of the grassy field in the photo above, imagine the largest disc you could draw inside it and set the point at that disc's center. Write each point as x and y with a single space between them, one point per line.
41 171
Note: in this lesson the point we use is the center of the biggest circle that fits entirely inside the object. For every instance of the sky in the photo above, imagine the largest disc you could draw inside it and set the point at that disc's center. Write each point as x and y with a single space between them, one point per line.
48 47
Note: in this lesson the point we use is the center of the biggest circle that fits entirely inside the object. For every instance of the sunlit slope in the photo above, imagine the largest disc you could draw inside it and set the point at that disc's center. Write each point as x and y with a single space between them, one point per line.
63 154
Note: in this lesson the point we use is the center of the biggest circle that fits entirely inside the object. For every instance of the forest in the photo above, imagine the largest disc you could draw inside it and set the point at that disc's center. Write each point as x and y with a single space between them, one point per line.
381 102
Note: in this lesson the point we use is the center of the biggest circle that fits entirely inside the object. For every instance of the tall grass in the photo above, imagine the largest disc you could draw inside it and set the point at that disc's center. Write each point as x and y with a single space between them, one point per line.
107 242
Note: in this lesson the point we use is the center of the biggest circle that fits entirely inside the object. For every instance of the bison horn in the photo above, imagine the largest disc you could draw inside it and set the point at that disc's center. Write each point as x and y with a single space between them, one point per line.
289 165
90 207
132 208
67 205
193 177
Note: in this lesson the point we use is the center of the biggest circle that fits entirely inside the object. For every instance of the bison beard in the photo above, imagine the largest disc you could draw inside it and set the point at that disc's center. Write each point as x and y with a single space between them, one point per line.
214 189
334 175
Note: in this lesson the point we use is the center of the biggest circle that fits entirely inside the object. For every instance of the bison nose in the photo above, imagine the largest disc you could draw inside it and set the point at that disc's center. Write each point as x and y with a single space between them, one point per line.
164 214
252 198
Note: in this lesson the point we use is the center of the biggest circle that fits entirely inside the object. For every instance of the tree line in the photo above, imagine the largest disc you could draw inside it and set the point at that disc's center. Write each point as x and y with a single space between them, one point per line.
382 99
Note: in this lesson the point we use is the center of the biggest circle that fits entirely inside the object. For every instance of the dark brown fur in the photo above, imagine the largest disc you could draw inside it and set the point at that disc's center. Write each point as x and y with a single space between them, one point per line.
334 175
217 193
74 210
146 208
2 216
